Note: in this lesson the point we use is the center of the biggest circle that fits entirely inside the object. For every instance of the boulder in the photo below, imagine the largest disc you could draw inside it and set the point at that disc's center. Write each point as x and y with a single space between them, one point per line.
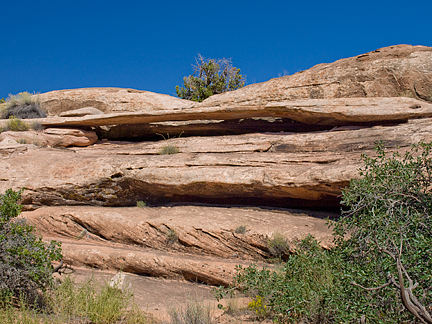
108 100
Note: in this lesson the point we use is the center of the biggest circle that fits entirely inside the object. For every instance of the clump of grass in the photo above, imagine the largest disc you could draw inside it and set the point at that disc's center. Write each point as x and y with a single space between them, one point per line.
240 230
195 312
22 141
141 204
36 126
278 245
172 235
92 302
15 124
24 105
70 302
169 149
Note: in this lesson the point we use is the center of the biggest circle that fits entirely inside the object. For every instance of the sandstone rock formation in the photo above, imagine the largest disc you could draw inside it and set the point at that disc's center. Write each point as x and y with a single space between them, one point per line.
297 142
204 239
401 70
108 100
54 137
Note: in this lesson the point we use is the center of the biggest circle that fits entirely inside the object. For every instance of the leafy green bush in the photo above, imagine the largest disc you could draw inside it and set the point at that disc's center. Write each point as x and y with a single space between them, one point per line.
389 221
24 105
25 260
380 270
211 76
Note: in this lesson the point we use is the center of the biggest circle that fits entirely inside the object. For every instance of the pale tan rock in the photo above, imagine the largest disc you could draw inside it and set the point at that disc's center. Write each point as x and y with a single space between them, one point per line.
286 170
393 71
108 100
341 111
81 112
206 246
54 137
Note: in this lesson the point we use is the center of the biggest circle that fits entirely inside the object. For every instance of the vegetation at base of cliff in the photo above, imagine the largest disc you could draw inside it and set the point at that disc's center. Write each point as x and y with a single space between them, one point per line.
210 77
72 302
24 105
381 253
25 260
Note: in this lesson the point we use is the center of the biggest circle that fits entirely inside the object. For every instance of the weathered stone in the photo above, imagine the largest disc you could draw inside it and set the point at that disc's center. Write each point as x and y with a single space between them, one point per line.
285 170
81 112
108 100
342 111
393 71
54 137
206 247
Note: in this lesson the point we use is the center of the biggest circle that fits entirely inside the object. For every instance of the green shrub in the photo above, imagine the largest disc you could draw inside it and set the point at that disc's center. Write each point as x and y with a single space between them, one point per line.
278 245
25 260
240 230
211 76
169 149
141 204
172 236
16 125
24 105
389 222
382 252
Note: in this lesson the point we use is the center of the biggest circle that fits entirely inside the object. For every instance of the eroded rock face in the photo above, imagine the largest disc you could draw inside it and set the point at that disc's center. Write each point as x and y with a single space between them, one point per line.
108 100
143 240
54 137
285 170
400 70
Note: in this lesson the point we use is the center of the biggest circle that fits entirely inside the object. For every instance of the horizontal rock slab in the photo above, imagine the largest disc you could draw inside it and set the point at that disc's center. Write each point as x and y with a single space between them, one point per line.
335 112
54 137
287 170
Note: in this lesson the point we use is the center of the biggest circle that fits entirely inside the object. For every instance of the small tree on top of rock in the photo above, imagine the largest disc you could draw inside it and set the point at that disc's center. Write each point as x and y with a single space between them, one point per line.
211 76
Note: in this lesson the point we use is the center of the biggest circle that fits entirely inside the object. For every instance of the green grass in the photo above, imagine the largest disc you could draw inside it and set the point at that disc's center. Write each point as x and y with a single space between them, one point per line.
169 149
90 302
195 312
240 230
141 204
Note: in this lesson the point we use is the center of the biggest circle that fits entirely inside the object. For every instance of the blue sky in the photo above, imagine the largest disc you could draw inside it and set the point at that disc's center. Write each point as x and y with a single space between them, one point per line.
150 45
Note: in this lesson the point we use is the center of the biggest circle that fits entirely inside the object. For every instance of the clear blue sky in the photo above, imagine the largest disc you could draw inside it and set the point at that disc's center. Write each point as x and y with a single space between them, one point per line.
150 45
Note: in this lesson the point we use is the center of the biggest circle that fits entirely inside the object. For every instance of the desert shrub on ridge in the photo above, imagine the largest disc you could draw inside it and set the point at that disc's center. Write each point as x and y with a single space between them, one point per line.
23 106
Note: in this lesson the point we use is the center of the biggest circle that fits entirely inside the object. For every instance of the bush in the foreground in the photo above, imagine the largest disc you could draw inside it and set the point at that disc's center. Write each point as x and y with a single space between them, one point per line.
380 270
25 260
24 105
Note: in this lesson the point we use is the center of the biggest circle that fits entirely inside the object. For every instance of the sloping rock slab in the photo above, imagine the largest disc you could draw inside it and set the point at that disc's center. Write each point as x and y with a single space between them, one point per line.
198 230
393 71
206 247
